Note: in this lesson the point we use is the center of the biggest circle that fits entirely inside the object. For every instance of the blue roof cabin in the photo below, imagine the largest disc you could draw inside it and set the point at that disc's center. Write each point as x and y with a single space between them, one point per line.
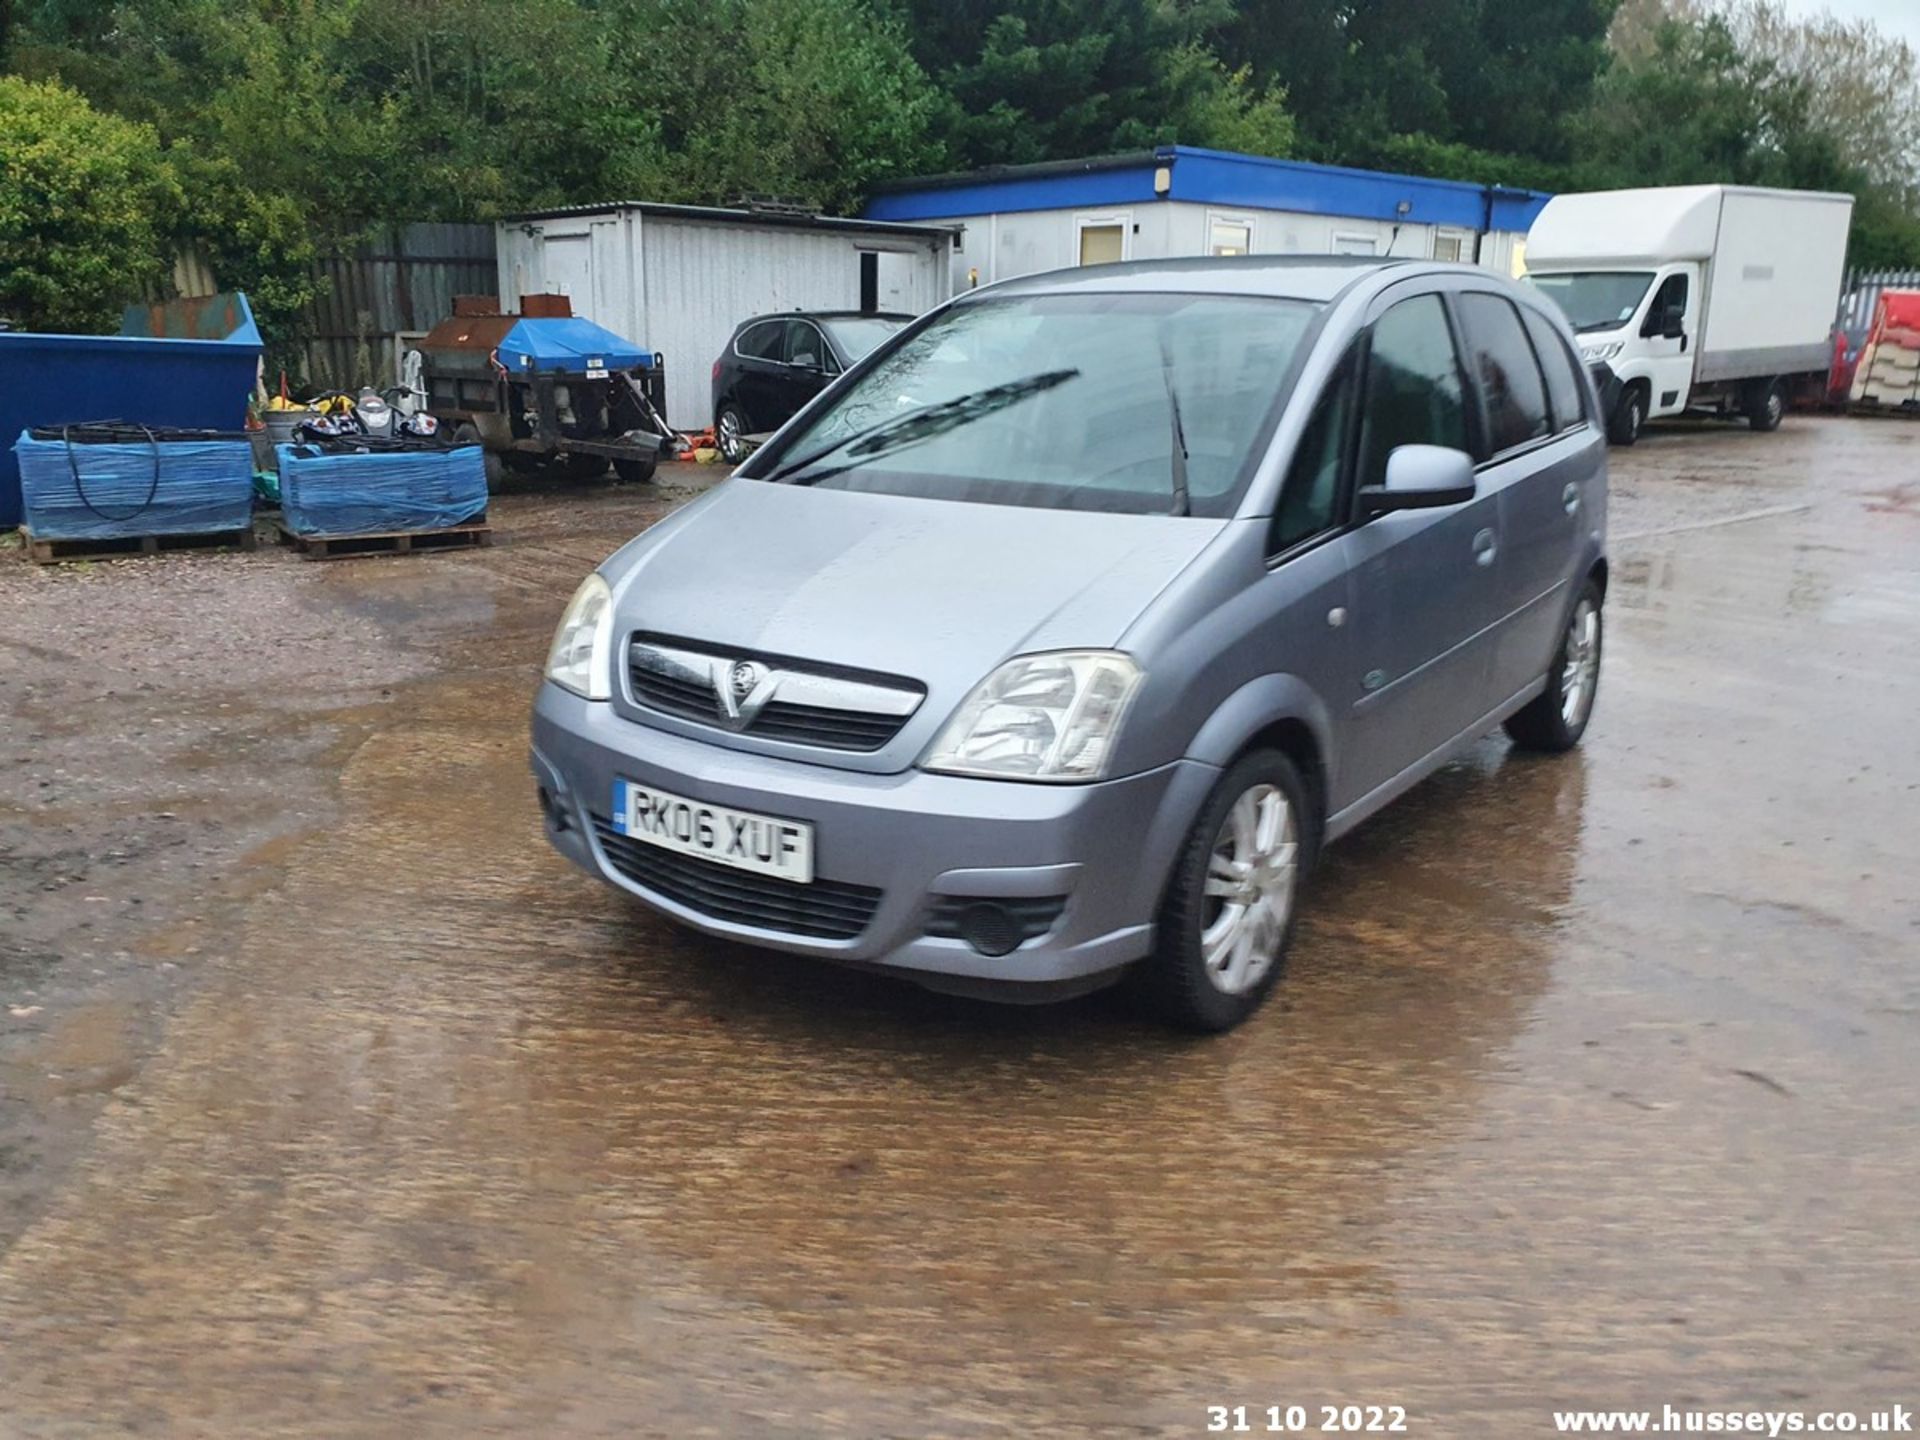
1181 201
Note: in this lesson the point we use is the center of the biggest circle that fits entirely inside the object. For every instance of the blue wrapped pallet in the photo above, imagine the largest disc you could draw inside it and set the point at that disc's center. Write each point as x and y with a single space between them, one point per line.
73 490
383 493
185 363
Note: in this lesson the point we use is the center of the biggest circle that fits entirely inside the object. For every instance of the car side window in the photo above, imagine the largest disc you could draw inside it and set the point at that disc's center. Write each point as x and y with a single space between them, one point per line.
1510 379
804 345
1564 390
1413 393
763 341
1310 495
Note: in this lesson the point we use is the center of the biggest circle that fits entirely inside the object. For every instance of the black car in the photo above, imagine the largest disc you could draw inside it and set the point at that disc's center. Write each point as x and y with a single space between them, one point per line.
774 364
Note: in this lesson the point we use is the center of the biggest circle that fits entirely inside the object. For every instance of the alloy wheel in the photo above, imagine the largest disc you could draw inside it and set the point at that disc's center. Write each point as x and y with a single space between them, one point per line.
1581 665
1251 879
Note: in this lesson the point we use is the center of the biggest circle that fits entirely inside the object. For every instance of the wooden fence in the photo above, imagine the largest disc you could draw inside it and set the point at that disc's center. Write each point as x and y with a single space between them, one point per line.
392 288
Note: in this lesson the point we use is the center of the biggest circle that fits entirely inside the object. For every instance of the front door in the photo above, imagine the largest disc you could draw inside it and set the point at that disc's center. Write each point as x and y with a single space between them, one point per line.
1426 592
1675 307
806 371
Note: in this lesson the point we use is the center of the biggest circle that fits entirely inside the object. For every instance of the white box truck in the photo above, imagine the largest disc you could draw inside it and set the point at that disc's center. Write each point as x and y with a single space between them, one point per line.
1708 298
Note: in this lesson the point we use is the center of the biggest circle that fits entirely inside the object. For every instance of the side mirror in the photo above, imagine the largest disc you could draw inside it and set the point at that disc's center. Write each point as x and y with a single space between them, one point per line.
1675 327
1421 477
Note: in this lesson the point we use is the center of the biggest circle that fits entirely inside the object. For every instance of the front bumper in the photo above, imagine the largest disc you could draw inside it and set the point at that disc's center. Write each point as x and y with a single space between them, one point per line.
1106 847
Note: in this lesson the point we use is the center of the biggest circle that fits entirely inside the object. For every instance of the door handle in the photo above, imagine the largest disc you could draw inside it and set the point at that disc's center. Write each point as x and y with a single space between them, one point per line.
1570 498
1485 547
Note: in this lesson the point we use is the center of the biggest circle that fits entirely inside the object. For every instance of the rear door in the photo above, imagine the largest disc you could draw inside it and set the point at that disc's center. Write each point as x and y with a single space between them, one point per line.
759 355
1426 593
1548 512
1538 446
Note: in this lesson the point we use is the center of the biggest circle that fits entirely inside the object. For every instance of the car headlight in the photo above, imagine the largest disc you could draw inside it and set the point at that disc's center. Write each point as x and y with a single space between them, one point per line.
1052 716
1598 354
580 659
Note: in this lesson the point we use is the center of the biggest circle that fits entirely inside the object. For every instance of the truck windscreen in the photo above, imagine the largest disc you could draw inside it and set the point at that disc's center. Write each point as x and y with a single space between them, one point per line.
1595 299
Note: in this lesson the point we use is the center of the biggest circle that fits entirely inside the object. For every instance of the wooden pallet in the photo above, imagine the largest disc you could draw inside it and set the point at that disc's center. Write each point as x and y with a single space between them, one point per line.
1880 410
53 551
398 542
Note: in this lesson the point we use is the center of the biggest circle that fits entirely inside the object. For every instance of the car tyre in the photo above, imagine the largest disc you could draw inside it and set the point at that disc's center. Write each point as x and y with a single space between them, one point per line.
1766 406
1628 418
730 433
1228 915
635 472
1555 719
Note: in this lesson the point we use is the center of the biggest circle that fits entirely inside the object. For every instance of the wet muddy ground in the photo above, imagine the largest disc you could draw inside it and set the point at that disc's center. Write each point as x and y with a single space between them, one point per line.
332 1103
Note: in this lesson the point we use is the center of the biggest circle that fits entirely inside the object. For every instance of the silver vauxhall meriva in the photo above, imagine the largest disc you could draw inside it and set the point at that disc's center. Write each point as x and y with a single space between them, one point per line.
1054 639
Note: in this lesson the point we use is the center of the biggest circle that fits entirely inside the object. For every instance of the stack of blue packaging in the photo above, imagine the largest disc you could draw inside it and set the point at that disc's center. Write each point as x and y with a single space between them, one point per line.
112 481
329 491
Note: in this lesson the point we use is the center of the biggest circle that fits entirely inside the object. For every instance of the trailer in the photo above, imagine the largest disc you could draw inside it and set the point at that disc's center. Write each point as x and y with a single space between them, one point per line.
545 389
685 276
1713 299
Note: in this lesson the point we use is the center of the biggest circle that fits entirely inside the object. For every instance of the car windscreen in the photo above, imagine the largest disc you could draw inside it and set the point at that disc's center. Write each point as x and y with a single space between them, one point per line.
1064 402
1595 299
856 336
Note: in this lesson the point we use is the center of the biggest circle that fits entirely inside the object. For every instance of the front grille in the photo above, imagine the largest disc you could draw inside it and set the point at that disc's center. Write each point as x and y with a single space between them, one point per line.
1026 918
674 695
678 681
829 729
824 910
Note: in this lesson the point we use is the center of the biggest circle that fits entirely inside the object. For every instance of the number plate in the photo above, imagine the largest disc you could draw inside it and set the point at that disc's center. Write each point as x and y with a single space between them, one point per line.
764 844
596 372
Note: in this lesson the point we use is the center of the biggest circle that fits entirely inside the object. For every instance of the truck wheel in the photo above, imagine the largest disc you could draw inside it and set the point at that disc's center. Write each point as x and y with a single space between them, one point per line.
729 433
1767 405
1623 427
634 472
1224 927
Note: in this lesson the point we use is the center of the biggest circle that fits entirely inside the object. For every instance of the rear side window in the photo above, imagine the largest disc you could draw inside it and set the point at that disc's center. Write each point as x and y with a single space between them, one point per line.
763 341
1510 380
1414 394
1563 381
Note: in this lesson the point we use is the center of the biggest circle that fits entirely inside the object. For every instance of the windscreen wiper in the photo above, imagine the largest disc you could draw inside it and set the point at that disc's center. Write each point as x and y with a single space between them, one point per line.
1181 504
898 431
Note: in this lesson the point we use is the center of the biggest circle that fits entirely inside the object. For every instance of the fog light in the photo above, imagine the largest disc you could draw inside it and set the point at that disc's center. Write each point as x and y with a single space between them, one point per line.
989 928
994 926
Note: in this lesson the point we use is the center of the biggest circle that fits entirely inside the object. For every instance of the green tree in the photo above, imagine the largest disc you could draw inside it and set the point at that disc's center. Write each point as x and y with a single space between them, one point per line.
1695 108
810 100
1489 75
83 201
1052 79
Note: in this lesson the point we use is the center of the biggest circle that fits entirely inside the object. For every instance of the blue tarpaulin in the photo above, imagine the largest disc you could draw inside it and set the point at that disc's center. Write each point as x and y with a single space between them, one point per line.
572 346
330 493
188 363
117 491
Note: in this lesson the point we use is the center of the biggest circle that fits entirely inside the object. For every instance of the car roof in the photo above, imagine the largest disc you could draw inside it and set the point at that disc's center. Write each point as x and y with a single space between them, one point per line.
826 315
1295 277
